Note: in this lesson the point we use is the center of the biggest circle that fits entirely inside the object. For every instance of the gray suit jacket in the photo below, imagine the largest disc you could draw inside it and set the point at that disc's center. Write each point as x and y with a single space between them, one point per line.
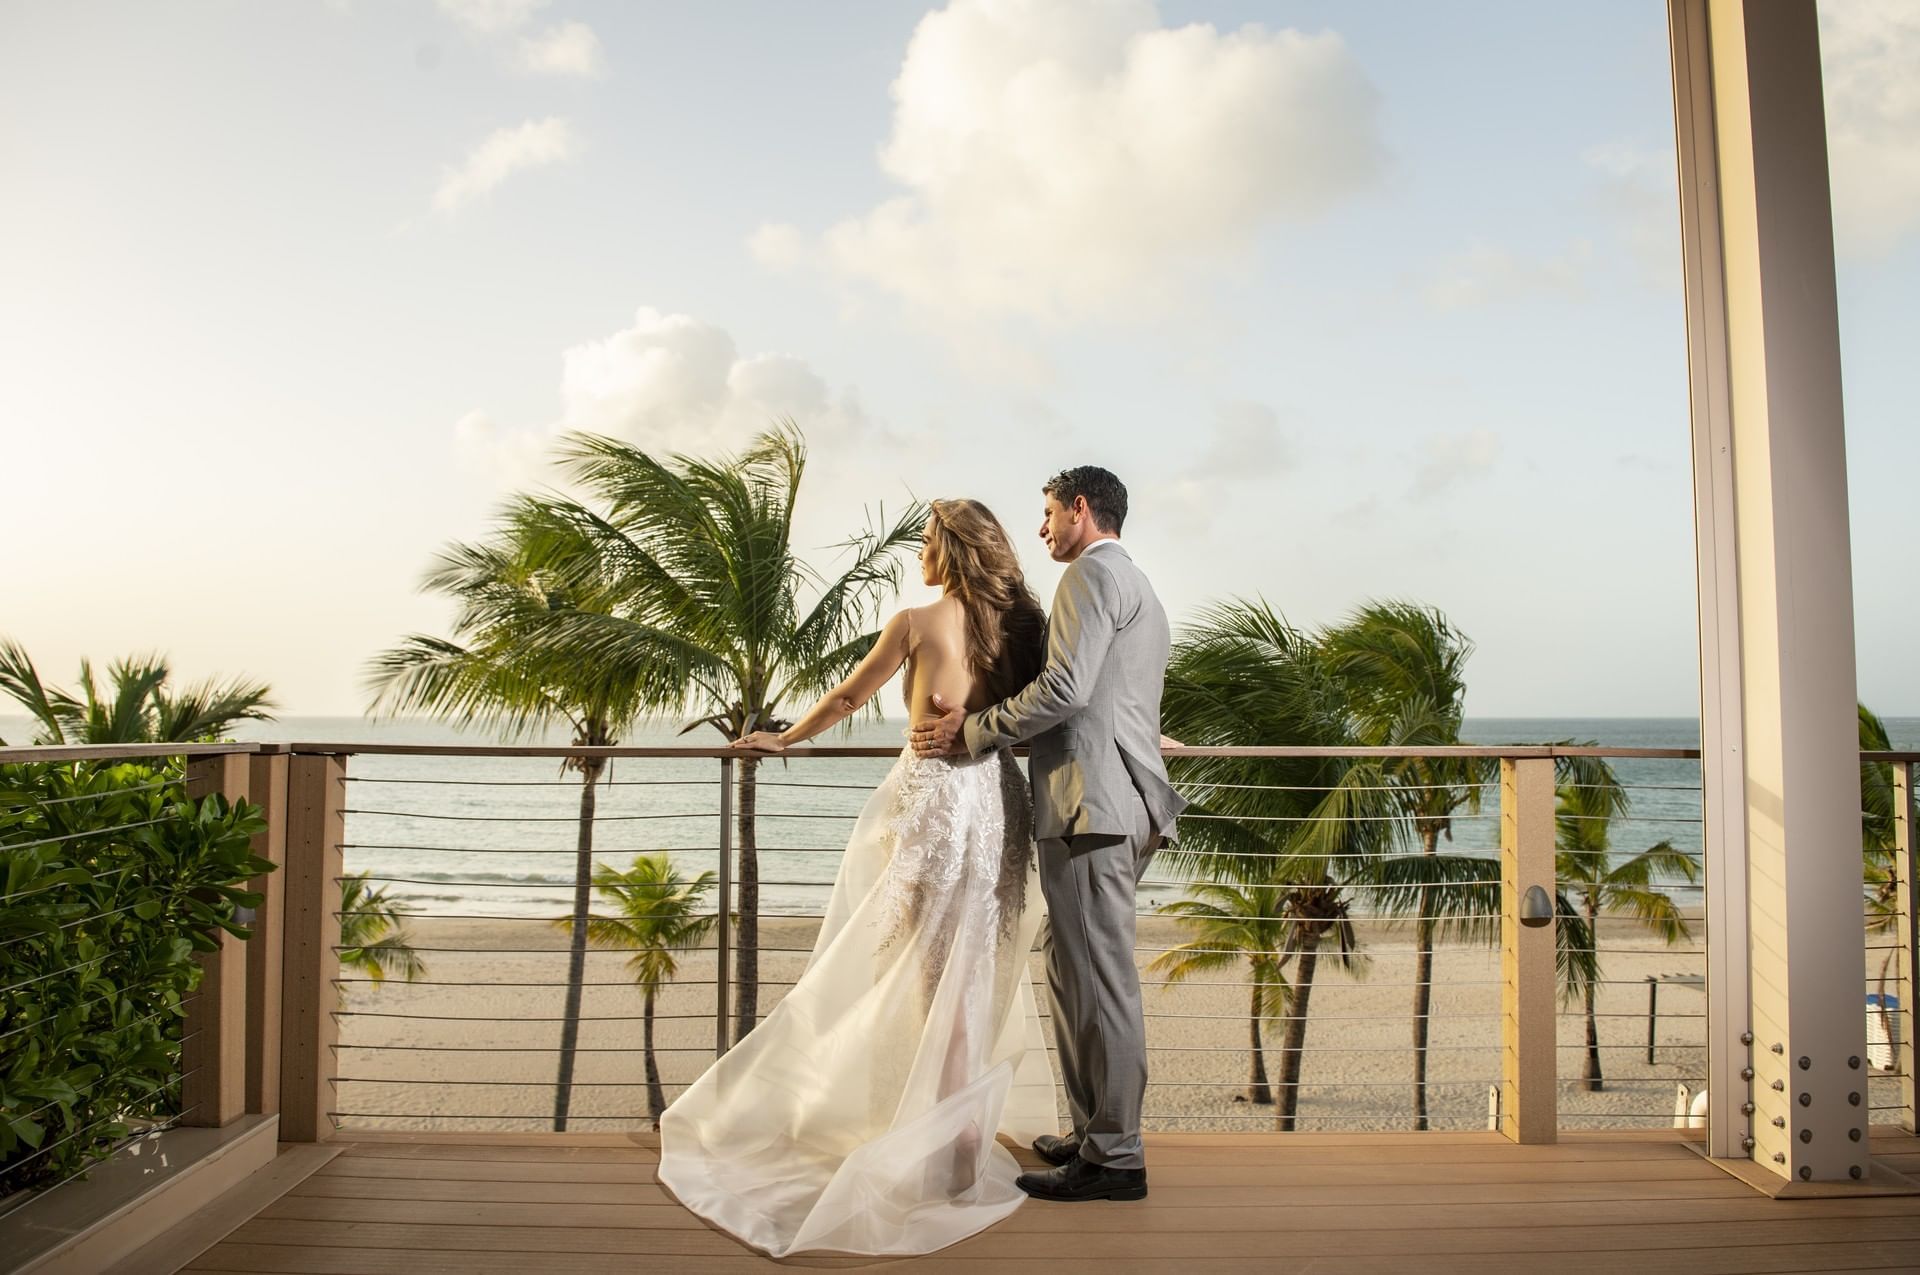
1093 713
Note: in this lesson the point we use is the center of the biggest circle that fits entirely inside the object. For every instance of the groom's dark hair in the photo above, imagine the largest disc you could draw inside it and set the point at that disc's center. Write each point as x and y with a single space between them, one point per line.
1106 495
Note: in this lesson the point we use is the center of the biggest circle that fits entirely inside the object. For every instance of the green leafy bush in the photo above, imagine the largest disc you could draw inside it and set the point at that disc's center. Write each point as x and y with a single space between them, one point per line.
111 878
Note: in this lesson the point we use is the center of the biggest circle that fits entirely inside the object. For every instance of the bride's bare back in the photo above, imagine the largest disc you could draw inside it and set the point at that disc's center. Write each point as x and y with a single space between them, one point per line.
965 549
937 661
931 641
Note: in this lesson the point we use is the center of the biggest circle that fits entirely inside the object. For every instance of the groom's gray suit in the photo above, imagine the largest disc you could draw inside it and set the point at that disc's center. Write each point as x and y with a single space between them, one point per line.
1102 804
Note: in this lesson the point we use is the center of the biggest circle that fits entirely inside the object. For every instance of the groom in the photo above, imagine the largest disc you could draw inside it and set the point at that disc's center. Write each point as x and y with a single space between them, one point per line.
1102 804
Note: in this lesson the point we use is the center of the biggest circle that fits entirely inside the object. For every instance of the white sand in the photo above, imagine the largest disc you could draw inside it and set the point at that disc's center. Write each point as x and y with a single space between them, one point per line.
1357 1070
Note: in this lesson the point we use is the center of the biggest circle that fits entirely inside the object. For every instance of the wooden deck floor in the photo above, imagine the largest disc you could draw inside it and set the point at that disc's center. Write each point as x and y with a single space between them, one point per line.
1406 1204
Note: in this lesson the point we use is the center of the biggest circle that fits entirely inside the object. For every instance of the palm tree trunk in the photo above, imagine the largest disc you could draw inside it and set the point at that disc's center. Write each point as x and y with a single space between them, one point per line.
590 768
1258 1090
656 1096
747 966
1422 1006
1423 984
1595 1081
1296 1038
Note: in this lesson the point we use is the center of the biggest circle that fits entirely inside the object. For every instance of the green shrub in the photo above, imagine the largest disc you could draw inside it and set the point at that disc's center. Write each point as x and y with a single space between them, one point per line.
112 879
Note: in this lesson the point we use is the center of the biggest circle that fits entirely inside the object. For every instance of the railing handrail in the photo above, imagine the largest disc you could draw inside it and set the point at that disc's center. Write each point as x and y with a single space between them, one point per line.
110 752
695 752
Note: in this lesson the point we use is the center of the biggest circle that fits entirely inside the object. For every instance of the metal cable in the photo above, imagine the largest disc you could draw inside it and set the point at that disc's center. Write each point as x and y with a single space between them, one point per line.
544 1083
544 1116
528 1049
74 836
521 951
372 845
536 783
1311 1084
110 1118
93 796
439 982
598 818
24 939
52 889
563 919
1282 885
1201 785
1328 818
497 1018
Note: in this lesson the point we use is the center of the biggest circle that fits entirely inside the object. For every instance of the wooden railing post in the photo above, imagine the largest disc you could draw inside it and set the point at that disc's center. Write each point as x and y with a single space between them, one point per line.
213 1059
267 788
1906 935
316 796
1529 973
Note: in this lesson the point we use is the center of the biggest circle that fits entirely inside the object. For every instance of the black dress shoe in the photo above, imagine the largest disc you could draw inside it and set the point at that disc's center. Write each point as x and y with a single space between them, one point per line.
1054 1149
1079 1179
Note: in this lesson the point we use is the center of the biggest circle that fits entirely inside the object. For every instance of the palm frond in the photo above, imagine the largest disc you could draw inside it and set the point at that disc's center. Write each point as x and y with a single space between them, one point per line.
1459 893
208 710
21 680
1577 963
841 611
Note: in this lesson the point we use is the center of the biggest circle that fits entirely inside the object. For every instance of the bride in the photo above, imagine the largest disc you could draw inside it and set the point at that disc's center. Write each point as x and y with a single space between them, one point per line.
860 1116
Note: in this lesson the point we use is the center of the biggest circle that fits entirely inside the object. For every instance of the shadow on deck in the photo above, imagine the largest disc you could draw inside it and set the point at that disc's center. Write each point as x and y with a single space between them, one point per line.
449 1204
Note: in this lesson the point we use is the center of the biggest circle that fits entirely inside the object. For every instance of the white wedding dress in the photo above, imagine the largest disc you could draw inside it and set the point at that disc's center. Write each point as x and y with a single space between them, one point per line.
860 1116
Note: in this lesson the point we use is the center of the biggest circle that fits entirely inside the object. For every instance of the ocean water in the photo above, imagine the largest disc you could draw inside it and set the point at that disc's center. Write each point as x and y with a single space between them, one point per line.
486 836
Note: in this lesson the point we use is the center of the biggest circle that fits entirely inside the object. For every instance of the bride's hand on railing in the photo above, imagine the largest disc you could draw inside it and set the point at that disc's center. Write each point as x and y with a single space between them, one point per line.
1168 741
761 741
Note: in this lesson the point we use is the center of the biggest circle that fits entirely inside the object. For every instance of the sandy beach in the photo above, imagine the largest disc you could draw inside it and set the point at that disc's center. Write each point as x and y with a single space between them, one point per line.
473 1047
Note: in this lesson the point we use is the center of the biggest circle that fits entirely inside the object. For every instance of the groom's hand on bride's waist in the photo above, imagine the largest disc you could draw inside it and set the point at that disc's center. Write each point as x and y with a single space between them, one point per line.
940 737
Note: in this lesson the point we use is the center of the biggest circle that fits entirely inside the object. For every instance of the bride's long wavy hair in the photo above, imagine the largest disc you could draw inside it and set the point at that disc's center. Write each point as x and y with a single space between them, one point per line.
970 553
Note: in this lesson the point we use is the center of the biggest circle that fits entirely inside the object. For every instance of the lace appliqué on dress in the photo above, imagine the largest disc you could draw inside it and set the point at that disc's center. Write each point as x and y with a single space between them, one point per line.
960 837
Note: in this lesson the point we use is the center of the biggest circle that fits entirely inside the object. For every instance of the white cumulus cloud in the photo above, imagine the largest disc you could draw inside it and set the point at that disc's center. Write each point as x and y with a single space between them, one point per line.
1487 274
491 17
500 155
672 383
1447 460
1248 444
570 48
1062 158
1870 53
1637 191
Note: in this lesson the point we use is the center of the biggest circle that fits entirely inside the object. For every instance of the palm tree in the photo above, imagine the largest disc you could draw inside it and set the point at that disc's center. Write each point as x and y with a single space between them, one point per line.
658 915
700 555
142 707
1877 824
1306 828
1231 923
509 663
1879 868
373 935
1592 884
1403 667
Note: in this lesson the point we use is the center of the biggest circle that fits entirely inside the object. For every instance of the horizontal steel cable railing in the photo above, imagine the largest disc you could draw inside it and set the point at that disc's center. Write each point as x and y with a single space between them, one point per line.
431 979
1352 1068
1631 1047
475 1031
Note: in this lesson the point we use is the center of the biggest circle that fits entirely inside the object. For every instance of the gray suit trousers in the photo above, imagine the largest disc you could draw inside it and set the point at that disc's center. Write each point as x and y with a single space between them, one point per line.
1099 1032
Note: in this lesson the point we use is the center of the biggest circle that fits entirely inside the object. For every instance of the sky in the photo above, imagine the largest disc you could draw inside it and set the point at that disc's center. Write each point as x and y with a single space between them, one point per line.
1361 301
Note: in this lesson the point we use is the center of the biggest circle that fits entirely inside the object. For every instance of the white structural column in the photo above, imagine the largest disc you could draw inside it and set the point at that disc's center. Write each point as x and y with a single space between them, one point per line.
1781 766
1723 768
